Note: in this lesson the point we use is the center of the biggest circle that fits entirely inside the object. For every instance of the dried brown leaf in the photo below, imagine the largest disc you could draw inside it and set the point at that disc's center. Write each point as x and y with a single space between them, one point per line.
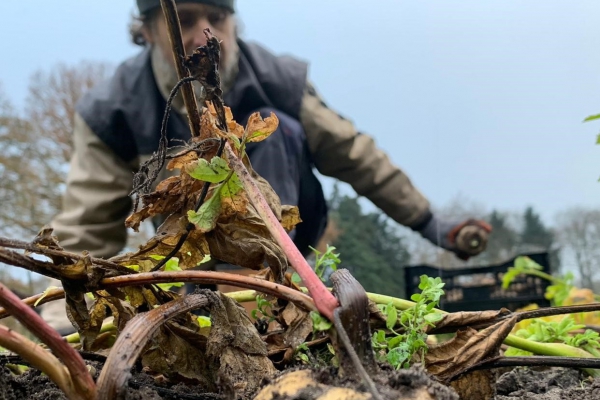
258 129
298 324
290 217
244 240
236 347
468 318
468 348
182 160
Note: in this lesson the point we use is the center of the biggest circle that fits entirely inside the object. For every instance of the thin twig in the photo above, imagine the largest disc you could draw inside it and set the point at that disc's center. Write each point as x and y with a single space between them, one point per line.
32 247
50 295
538 361
82 379
22 261
549 311
174 29
212 277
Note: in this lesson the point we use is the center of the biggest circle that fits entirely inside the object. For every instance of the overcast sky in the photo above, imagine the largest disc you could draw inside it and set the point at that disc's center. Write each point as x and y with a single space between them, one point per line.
483 99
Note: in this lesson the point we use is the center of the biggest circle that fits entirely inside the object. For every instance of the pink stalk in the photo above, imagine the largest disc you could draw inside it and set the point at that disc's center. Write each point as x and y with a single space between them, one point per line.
324 300
84 384
40 359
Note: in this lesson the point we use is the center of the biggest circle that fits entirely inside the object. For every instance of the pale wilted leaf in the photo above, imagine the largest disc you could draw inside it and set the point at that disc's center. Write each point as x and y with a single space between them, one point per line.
236 347
467 318
290 217
258 129
468 348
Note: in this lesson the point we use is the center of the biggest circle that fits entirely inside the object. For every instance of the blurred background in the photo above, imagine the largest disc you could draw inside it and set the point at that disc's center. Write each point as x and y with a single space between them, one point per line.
481 103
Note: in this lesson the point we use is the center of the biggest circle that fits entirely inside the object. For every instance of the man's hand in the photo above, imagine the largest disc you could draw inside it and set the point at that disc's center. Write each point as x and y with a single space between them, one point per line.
465 239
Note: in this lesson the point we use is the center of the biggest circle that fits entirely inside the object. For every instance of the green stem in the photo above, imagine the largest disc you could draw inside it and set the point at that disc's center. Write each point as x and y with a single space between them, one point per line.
106 327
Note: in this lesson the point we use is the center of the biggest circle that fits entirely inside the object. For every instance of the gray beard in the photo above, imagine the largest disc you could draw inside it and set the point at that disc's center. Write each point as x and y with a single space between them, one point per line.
166 76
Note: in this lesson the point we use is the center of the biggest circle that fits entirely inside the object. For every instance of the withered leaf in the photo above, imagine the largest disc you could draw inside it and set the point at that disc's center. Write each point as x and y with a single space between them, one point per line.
182 160
290 217
175 356
236 346
298 324
467 318
258 129
244 240
468 348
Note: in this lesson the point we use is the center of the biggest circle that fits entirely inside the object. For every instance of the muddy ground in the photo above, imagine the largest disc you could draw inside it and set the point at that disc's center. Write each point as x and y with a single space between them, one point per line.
516 384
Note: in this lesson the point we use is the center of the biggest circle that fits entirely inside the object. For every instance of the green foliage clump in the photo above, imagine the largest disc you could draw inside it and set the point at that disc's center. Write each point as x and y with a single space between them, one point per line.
399 348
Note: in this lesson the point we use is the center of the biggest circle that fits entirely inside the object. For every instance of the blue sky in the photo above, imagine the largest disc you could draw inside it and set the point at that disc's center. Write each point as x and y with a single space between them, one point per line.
482 99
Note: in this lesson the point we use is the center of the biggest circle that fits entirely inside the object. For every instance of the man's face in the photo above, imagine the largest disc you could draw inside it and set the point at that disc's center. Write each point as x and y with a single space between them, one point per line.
194 18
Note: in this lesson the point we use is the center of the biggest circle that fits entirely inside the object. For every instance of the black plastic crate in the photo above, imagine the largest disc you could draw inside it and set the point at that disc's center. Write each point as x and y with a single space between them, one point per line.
480 288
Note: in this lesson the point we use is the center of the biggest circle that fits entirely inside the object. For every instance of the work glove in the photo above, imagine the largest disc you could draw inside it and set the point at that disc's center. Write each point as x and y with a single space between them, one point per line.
465 239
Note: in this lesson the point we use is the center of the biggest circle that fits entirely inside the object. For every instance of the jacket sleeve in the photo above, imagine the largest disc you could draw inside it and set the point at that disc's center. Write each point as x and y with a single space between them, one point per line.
341 152
96 201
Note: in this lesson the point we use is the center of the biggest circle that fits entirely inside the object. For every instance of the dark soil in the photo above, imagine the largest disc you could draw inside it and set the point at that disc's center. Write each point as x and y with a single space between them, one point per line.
517 384
546 384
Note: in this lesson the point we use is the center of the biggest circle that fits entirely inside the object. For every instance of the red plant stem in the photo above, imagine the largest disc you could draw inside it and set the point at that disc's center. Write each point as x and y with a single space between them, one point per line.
211 277
39 358
324 300
84 384
54 294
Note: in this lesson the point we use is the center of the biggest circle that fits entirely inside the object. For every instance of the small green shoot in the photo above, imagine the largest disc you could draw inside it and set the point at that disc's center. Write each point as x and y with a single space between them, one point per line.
262 310
320 323
325 261
204 321
399 349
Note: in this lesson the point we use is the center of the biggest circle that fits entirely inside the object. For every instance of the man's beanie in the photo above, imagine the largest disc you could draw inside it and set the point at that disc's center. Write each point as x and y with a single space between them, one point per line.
146 6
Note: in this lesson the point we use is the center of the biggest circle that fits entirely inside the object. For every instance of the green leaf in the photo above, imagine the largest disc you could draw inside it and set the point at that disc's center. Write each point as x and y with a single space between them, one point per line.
391 316
598 139
213 172
296 278
171 265
395 341
204 321
320 323
592 117
416 297
206 217
205 259
232 186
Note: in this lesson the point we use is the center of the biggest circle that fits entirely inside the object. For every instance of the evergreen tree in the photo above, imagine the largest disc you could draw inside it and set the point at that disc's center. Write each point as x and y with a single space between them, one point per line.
503 240
369 246
534 231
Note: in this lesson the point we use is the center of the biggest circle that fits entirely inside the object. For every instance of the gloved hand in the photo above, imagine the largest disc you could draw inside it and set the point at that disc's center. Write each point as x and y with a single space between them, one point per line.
465 239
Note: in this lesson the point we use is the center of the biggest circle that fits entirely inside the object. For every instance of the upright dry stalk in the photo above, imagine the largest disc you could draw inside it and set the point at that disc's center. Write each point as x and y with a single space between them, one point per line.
174 29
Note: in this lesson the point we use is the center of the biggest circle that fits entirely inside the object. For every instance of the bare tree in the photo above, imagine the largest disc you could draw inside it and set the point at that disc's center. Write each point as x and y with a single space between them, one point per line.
579 233
53 96
36 145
